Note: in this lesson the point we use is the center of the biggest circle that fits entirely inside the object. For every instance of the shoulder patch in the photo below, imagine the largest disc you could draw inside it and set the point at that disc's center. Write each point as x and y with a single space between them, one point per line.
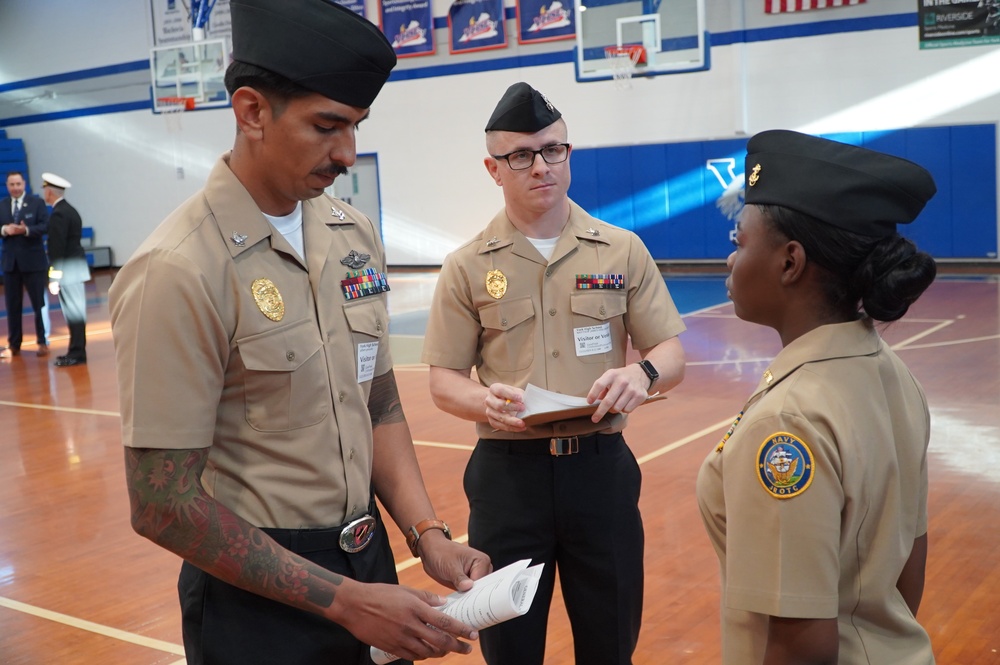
784 465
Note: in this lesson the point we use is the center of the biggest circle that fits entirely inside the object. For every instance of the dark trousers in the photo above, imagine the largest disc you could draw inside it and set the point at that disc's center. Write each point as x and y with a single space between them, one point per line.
224 625
14 283
73 301
578 512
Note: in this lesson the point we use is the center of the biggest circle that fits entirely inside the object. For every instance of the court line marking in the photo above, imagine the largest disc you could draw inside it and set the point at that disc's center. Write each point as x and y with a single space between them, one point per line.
64 409
92 627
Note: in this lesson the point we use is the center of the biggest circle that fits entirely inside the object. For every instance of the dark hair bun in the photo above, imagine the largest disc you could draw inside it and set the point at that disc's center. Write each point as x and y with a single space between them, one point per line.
892 277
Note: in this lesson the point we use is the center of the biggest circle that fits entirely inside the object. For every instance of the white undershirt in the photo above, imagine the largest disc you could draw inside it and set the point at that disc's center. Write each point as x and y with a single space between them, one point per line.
545 246
290 226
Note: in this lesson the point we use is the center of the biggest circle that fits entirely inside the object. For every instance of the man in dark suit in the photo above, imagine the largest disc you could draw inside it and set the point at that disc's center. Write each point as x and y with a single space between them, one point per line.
24 221
69 267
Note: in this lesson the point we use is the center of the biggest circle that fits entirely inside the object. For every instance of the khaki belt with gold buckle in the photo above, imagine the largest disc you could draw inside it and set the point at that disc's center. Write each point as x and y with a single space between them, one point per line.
357 535
559 447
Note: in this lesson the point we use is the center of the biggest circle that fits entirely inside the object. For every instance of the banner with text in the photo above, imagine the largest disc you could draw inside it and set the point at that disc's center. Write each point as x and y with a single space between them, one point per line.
476 25
409 25
537 22
948 23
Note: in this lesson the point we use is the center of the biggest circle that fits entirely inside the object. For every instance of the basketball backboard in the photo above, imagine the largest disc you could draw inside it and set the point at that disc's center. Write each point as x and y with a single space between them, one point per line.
194 70
671 32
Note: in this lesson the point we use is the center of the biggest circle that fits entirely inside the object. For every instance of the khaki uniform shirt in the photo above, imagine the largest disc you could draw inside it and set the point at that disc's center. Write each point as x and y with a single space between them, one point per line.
274 380
815 499
527 333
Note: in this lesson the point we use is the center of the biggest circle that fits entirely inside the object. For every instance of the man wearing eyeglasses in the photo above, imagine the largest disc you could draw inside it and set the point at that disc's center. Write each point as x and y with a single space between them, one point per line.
550 296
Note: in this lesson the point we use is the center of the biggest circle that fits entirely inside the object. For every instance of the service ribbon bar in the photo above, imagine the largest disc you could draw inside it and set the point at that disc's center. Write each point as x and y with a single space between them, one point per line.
361 283
600 281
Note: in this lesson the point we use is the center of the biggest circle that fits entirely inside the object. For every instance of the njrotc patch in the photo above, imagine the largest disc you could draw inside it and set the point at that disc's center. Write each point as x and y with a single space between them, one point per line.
784 465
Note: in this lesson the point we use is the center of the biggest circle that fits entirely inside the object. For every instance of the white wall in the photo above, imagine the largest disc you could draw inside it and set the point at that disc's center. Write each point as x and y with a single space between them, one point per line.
428 133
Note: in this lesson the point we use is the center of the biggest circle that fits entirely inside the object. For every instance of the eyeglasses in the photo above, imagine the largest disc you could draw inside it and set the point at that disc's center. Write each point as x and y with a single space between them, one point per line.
519 160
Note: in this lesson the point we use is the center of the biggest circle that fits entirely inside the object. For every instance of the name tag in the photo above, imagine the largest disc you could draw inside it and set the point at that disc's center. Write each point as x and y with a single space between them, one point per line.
591 340
367 353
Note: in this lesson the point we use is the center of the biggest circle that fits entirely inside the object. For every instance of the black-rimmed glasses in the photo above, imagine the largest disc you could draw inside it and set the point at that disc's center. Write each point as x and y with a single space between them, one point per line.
524 159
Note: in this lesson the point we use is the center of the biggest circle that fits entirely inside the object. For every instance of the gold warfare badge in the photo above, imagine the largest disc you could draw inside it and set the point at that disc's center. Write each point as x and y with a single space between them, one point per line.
268 299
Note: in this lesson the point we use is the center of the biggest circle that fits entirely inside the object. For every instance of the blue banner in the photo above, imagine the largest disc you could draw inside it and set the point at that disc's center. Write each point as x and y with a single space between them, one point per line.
476 25
409 26
537 22
356 6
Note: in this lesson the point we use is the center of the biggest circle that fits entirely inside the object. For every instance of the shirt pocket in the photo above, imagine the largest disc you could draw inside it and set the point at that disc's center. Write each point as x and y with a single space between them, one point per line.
596 307
285 380
368 320
508 334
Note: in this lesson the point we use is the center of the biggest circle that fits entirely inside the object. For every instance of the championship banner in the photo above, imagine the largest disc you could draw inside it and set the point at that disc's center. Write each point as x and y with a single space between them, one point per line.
537 22
782 6
476 25
948 23
408 25
356 6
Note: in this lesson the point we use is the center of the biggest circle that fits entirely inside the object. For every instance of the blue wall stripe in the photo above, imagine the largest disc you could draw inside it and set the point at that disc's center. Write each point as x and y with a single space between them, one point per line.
79 75
145 104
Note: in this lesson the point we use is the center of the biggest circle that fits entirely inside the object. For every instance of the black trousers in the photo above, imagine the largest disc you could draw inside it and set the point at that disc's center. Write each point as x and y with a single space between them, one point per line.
224 625
35 282
578 512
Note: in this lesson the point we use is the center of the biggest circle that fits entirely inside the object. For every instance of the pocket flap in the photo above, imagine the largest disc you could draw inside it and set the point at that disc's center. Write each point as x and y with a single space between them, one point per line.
504 315
367 316
281 350
597 305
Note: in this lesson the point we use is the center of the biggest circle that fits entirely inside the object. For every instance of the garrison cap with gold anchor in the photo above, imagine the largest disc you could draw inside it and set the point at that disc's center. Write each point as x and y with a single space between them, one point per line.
846 186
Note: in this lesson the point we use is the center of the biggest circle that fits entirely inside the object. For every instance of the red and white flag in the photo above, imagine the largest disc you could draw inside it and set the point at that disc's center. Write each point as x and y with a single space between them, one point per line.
782 6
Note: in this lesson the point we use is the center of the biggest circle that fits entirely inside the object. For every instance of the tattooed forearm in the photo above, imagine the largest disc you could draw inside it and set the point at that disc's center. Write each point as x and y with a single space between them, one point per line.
171 508
383 401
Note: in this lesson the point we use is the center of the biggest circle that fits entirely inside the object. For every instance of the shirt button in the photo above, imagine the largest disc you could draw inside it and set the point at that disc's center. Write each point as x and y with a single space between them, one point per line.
548 273
555 354
351 456
603 312
290 356
354 509
503 322
340 396
378 326
552 312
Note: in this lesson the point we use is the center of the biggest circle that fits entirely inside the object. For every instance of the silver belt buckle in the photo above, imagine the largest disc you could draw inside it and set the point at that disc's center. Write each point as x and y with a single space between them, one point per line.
565 446
358 534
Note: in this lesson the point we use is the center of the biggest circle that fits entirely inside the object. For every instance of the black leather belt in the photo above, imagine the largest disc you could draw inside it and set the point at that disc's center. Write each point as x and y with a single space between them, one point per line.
352 537
584 444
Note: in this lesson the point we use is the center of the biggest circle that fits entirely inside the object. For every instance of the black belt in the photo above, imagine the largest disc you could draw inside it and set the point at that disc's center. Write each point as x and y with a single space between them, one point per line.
583 444
351 537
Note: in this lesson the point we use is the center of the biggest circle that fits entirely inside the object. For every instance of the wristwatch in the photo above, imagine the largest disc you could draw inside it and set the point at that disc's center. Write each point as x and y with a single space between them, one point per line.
414 533
650 371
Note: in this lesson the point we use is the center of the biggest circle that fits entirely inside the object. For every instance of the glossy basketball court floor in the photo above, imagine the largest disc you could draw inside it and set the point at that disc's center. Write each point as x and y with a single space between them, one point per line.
77 586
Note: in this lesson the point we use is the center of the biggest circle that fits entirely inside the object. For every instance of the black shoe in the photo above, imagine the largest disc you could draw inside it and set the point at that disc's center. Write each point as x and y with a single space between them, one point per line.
69 362
60 357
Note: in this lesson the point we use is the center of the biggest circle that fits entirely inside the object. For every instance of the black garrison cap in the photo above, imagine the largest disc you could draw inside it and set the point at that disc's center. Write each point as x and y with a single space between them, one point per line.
318 44
852 188
522 109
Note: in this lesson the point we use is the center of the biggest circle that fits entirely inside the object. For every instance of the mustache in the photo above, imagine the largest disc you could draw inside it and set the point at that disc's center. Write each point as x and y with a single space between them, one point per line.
333 170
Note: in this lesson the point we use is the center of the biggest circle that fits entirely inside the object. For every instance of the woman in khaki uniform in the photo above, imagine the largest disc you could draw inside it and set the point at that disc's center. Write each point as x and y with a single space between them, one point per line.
815 500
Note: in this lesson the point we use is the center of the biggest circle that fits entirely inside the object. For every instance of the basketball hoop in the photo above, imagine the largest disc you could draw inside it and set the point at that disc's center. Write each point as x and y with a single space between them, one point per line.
172 108
622 61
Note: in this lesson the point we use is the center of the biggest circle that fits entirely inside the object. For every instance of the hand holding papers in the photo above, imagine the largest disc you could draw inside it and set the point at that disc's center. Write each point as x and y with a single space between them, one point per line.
545 406
503 594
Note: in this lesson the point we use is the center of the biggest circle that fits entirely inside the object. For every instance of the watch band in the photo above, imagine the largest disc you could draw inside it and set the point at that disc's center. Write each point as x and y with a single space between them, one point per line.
650 371
414 533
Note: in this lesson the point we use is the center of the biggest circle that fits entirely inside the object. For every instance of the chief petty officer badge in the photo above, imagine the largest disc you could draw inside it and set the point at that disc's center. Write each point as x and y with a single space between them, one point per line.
496 284
784 465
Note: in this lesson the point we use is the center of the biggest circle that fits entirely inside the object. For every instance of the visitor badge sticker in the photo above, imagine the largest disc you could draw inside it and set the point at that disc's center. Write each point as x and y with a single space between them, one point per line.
784 465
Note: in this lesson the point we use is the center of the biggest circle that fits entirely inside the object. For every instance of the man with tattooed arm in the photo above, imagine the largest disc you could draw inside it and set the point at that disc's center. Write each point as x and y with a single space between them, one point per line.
260 414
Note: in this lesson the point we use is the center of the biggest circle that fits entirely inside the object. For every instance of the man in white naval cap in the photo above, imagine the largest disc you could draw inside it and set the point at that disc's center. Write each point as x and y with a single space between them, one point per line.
69 270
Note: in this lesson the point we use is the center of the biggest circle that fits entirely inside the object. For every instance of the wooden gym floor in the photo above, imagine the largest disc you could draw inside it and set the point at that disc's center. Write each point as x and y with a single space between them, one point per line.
77 586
